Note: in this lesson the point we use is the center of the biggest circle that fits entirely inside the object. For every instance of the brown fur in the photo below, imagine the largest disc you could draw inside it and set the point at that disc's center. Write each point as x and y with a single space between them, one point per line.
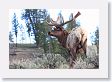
75 41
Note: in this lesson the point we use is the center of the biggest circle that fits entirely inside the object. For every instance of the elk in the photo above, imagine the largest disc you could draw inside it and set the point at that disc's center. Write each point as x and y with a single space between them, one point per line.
73 41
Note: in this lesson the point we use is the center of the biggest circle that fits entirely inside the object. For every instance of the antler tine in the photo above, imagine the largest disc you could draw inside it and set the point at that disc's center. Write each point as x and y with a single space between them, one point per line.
50 24
72 19
57 22
77 15
54 22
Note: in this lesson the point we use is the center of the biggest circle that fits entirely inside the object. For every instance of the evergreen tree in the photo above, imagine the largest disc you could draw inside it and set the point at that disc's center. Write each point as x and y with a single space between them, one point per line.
34 18
10 37
22 33
95 38
35 22
15 26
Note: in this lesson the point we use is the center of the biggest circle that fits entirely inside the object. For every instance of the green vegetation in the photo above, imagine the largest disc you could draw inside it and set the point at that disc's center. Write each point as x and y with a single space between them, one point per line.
34 58
95 38
46 52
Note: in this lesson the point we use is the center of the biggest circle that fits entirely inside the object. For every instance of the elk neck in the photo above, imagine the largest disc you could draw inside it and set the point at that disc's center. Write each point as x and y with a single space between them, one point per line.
63 38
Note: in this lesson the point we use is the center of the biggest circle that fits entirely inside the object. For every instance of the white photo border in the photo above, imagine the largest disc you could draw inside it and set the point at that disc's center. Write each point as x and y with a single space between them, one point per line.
102 72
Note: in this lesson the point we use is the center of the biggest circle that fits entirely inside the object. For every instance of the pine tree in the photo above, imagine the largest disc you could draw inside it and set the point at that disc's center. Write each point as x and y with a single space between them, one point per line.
34 19
15 26
10 36
95 38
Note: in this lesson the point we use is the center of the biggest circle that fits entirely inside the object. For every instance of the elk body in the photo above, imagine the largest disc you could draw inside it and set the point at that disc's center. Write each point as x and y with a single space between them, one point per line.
73 41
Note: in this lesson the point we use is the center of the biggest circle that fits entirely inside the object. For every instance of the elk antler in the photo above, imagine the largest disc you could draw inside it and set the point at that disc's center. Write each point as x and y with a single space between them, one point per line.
77 15
50 23
54 23
71 19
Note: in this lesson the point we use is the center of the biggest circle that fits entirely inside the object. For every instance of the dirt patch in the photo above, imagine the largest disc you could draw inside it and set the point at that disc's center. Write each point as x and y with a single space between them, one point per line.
21 53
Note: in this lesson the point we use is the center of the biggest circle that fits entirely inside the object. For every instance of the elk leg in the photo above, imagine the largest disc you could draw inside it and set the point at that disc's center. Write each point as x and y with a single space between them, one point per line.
71 62
84 44
72 57
84 47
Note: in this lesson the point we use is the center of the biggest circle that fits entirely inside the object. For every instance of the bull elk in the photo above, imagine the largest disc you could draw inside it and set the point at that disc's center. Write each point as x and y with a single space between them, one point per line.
73 41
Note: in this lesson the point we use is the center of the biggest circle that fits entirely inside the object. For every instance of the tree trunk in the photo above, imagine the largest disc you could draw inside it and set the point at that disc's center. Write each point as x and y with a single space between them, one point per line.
16 41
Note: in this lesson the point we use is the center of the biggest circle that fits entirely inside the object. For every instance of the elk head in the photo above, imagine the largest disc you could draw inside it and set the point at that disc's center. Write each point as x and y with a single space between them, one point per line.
58 30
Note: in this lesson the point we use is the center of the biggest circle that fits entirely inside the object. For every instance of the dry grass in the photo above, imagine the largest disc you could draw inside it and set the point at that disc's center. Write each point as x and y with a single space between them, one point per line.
35 58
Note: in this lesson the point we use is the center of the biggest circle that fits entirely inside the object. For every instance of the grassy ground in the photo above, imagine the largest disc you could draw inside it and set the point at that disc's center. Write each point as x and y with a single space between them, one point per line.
28 57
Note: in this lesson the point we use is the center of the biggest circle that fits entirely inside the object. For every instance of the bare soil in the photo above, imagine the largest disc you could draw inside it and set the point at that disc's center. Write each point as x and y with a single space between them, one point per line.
21 53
